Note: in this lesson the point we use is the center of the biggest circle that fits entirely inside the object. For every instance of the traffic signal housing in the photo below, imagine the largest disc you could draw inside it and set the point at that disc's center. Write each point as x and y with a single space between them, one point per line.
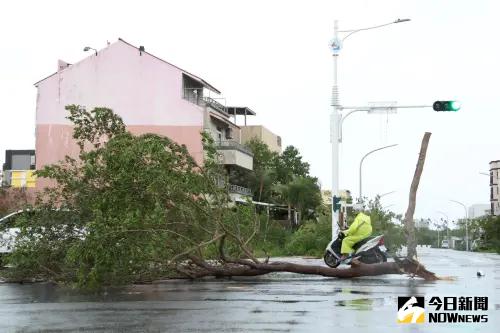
446 106
336 203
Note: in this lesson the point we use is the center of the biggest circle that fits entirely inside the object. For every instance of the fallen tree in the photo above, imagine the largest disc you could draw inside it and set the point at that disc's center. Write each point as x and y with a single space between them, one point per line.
140 208
197 267
357 269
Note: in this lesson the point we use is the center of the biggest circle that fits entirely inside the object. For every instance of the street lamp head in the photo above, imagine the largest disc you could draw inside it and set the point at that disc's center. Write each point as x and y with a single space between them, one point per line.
402 20
88 48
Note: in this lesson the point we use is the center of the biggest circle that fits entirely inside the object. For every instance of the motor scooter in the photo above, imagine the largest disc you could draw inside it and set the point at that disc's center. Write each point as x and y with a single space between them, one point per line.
370 250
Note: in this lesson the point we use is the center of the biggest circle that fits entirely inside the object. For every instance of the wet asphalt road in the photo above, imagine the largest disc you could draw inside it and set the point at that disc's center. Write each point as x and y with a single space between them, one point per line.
280 302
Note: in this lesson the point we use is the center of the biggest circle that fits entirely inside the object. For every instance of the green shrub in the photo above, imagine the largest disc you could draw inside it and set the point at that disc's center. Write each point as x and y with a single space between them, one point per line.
311 238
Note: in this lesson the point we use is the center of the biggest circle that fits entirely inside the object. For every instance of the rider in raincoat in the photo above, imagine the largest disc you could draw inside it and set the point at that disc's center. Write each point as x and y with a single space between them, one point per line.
360 229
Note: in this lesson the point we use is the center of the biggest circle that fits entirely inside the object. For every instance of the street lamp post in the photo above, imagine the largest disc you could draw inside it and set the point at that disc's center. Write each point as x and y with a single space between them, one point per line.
466 224
361 166
335 117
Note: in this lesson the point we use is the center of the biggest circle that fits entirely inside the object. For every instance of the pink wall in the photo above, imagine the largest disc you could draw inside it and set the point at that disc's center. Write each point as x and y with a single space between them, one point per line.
54 142
145 91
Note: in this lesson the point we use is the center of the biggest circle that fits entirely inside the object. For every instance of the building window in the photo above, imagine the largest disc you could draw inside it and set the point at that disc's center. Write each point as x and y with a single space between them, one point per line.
192 90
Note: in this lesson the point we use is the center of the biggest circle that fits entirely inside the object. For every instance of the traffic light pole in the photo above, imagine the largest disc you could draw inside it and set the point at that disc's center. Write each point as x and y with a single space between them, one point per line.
368 108
336 117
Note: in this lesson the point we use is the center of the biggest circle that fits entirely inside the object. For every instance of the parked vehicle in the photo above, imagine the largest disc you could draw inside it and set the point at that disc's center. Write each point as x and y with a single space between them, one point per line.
370 250
8 233
445 244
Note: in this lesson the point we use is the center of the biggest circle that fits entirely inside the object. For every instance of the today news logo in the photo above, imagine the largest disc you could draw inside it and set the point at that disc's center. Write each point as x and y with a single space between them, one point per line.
411 310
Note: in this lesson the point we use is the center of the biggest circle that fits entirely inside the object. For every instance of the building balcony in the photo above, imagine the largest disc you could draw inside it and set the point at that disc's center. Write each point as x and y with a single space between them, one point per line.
234 153
195 96
234 189
229 144
212 103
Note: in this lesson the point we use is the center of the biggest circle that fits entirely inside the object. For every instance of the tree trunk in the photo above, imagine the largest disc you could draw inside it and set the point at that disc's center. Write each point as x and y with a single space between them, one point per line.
261 187
409 222
199 268
290 215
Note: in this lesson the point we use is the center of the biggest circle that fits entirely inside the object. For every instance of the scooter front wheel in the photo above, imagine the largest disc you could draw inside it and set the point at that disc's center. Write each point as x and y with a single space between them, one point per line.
331 260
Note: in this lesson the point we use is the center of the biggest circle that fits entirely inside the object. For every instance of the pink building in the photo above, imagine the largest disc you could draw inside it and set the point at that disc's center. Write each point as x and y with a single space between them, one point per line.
150 94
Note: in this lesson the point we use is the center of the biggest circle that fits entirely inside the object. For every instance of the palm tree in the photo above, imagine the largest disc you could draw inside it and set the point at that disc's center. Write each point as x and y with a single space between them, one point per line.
301 193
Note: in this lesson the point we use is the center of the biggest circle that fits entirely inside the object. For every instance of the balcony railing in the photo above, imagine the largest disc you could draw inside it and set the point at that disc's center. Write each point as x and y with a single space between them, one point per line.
228 144
239 189
215 105
195 96
234 188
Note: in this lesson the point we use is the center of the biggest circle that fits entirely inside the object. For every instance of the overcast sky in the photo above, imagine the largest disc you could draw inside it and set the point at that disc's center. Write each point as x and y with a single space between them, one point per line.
273 57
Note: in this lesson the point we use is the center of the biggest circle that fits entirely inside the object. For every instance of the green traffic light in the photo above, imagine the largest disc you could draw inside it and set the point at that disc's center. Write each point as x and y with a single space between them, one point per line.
446 106
455 106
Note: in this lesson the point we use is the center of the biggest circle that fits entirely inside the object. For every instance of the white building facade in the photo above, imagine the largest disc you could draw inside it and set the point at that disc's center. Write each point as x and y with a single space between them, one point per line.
479 210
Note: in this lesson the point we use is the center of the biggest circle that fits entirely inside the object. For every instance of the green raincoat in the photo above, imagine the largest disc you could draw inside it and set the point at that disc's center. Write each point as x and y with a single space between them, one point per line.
359 229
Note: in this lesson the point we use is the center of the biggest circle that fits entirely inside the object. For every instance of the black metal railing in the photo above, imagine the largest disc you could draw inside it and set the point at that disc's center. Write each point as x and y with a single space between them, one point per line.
232 188
215 105
239 189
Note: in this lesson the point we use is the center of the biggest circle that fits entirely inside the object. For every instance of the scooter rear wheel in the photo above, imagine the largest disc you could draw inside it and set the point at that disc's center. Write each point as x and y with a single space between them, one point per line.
374 256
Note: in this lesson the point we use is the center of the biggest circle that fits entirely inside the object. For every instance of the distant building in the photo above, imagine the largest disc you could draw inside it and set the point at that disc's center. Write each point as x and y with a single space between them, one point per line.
249 132
272 140
326 197
479 210
18 169
495 187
